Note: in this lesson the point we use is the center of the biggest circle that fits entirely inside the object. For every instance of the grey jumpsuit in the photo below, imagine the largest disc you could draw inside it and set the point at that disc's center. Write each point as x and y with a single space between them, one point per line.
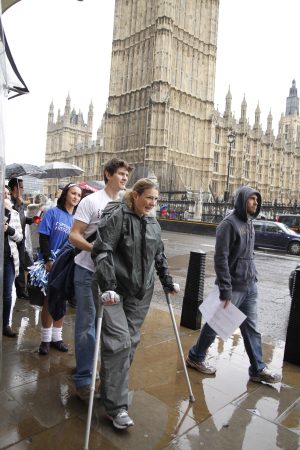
126 252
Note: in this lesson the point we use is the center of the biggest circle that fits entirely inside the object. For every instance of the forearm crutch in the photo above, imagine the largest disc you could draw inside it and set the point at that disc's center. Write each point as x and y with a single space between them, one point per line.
192 398
93 382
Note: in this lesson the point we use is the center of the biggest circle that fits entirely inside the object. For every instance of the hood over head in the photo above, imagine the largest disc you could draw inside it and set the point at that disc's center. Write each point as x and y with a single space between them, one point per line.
240 201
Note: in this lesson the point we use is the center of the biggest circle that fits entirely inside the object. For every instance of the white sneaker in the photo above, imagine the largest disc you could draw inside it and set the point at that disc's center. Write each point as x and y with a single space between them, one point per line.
267 376
202 366
121 420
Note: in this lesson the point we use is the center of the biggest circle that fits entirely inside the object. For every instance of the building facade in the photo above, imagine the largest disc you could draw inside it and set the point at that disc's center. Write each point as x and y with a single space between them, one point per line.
161 118
69 139
259 158
162 89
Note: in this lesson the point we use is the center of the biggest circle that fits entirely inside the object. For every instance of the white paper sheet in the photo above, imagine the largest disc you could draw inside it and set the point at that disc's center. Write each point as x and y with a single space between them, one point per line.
224 321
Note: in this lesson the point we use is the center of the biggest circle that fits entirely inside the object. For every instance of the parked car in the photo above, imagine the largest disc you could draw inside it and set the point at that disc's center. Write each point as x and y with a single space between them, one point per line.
291 279
290 220
277 236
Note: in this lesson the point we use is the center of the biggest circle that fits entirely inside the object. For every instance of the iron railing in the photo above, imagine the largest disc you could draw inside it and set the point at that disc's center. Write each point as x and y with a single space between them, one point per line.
214 212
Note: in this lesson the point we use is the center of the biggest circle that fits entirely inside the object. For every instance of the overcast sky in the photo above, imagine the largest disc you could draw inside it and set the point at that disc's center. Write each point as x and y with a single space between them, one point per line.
64 46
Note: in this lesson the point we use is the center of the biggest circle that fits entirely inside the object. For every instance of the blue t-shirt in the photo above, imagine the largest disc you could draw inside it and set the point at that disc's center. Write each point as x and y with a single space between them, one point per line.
56 224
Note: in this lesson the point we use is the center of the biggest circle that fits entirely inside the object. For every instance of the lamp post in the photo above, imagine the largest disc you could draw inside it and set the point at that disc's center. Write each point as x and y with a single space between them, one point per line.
231 140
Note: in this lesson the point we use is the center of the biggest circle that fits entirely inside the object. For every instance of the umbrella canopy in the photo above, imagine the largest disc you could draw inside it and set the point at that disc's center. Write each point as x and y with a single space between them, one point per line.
18 169
87 187
97 184
58 169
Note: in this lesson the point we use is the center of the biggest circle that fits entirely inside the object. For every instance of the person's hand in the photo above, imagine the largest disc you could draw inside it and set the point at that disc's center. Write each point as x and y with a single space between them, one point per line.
20 200
110 298
5 227
48 266
168 284
226 303
176 288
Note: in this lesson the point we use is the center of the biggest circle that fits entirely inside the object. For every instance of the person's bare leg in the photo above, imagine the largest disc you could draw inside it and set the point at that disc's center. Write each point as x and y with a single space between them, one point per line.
46 319
46 329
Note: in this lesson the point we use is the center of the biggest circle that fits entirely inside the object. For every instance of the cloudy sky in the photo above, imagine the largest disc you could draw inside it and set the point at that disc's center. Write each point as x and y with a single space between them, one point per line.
64 46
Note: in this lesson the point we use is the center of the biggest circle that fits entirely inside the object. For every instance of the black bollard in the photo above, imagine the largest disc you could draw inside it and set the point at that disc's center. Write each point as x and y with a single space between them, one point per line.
292 343
194 289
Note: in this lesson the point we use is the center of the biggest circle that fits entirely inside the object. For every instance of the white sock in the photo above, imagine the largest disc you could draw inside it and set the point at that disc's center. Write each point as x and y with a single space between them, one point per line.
56 334
46 334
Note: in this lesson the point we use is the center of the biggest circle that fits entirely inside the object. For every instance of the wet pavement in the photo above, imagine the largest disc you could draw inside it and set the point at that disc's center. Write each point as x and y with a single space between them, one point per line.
273 267
39 409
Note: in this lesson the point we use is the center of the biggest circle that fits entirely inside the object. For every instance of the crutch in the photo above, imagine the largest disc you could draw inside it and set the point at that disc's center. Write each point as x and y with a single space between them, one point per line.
192 398
93 383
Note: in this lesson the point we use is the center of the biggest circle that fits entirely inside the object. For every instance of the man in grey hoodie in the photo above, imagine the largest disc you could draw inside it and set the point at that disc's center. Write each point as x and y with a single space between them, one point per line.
236 278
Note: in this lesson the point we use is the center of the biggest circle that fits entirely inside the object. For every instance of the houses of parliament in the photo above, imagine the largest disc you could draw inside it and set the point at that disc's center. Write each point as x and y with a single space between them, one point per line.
160 114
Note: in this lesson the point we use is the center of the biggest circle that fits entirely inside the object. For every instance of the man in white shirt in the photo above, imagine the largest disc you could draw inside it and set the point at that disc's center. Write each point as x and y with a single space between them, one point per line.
87 216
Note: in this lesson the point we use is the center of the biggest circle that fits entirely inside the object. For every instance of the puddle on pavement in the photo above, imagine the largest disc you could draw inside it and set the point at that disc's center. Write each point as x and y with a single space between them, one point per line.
22 329
230 412
291 419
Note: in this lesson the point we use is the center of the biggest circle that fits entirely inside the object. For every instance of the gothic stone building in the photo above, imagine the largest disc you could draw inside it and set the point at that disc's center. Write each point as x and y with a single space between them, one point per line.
267 162
161 117
69 139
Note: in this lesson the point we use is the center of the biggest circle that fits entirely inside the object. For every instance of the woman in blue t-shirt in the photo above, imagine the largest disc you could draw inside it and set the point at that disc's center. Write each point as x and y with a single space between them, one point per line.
54 231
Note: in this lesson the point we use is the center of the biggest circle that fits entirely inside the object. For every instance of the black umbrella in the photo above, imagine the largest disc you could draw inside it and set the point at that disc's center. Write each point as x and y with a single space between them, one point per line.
15 170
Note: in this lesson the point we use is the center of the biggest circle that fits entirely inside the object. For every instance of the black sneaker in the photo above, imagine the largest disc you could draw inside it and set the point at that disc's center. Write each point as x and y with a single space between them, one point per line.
7 331
59 345
121 420
44 348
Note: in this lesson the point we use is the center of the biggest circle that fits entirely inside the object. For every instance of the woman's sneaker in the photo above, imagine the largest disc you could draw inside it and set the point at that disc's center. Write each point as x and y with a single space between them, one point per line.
267 376
44 348
121 420
201 366
59 345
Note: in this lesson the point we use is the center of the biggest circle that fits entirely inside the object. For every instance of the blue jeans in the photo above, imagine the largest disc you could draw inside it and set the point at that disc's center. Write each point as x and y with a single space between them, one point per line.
8 280
246 301
85 325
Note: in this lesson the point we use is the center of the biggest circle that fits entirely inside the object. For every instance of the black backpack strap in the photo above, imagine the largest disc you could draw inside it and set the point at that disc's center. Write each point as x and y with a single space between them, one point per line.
91 238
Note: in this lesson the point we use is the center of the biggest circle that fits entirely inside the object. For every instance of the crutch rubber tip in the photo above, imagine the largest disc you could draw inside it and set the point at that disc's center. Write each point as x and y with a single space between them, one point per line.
192 399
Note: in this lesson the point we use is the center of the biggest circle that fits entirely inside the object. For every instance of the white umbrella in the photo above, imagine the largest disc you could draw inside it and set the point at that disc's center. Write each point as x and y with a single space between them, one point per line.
58 169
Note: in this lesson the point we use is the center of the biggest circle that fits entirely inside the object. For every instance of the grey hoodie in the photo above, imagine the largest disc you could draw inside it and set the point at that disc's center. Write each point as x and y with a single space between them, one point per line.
234 252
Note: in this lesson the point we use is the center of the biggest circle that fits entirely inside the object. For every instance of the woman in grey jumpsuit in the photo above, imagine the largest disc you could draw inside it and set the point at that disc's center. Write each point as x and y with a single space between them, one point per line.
127 251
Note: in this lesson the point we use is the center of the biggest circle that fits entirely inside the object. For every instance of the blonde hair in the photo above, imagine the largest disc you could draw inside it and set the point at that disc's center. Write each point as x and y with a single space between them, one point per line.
139 187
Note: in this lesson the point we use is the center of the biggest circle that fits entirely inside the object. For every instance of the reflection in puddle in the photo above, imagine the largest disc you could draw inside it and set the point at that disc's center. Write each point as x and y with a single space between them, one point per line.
22 329
64 397
36 315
